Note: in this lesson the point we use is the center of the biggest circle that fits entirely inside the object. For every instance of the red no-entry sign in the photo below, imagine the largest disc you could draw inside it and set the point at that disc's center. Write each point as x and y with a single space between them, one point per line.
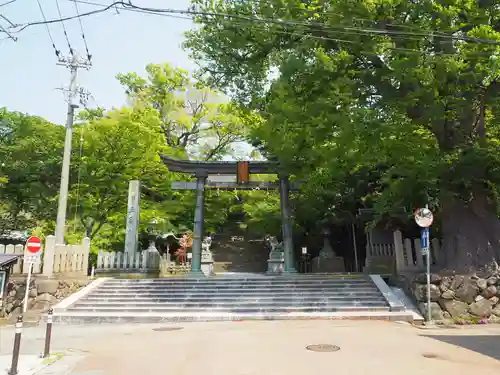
34 244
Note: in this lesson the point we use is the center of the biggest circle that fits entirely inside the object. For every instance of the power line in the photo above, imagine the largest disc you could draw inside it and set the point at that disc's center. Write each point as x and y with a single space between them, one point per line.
262 20
118 9
9 35
89 56
301 28
7 3
57 52
64 28
384 22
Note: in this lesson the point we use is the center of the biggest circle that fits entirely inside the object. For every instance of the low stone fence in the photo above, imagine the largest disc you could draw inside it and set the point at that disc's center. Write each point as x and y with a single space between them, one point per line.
400 256
146 261
42 294
461 298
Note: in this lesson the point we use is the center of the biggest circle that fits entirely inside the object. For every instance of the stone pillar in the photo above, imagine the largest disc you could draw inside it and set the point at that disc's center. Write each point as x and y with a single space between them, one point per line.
131 232
48 256
86 254
399 251
199 217
286 224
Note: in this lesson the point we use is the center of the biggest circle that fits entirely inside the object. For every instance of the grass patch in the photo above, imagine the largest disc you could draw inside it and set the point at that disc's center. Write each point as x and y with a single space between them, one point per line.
53 358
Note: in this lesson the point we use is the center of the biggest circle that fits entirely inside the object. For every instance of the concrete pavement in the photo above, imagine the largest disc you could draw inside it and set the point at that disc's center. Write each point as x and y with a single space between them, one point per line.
261 348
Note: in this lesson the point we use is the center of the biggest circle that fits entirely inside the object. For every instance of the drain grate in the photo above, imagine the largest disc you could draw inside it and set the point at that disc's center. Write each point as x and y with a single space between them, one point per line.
167 329
323 348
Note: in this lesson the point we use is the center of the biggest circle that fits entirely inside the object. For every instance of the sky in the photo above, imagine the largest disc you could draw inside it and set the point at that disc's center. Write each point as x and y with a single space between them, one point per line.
119 43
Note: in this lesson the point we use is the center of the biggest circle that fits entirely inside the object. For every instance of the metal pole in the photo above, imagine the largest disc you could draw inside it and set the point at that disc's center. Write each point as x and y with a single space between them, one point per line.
428 261
48 334
428 266
28 281
17 346
63 190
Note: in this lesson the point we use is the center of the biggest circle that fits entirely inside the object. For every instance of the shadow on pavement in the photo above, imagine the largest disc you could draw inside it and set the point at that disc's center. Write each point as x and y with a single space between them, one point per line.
486 345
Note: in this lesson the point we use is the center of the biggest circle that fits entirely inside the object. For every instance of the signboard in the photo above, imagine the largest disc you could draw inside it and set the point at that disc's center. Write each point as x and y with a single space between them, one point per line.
423 217
424 239
32 255
304 250
34 245
243 175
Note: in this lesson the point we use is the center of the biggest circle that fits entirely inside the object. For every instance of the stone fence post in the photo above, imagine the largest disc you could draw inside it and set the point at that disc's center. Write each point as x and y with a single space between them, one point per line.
399 251
48 256
86 253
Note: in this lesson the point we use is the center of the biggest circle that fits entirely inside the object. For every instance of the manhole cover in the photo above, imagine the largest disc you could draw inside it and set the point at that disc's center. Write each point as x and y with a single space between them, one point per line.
166 329
323 348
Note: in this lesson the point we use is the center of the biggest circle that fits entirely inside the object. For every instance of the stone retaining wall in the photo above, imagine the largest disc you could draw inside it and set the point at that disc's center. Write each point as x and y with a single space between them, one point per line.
42 294
459 297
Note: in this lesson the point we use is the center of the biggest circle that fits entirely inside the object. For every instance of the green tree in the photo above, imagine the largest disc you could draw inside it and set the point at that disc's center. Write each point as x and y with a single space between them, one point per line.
30 153
120 146
193 118
406 88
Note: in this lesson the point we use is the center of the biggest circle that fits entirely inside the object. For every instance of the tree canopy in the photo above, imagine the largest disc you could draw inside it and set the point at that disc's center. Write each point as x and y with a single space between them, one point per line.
168 113
382 104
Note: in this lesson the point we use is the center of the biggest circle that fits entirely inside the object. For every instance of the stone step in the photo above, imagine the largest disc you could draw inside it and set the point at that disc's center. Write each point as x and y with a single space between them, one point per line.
257 305
240 285
234 309
234 293
241 280
298 288
235 299
76 317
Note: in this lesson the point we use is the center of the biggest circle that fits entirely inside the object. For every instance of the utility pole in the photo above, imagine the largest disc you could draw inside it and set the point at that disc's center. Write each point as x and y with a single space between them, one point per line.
73 63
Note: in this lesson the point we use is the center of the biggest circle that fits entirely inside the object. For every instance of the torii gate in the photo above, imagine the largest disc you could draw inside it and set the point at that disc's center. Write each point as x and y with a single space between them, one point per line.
202 170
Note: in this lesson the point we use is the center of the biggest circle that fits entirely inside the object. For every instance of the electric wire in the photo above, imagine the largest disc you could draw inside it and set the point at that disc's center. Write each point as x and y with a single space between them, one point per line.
9 35
7 3
256 20
89 56
330 12
56 51
190 18
64 28
245 24
7 20
118 9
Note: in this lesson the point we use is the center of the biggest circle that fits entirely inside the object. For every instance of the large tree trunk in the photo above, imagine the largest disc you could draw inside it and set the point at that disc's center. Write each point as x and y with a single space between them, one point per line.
471 235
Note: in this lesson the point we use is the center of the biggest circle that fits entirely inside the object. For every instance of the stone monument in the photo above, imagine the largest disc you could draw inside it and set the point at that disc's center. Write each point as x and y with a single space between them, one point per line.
327 261
276 261
207 260
131 232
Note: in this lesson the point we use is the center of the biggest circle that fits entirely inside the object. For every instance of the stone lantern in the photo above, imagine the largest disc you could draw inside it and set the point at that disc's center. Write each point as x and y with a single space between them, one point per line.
152 235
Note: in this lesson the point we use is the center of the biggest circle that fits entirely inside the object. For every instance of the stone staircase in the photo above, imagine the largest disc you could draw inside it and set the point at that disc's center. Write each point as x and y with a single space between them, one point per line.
232 297
236 250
